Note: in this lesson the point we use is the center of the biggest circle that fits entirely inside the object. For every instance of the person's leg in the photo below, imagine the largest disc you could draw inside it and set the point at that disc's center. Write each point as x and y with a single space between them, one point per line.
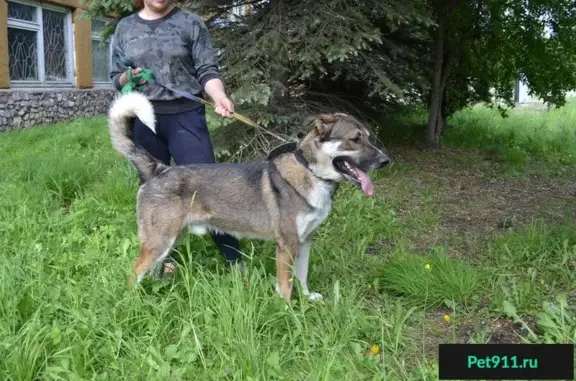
151 142
189 143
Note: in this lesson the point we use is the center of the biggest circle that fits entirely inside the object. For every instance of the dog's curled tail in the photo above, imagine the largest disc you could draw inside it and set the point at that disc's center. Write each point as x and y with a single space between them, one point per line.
120 116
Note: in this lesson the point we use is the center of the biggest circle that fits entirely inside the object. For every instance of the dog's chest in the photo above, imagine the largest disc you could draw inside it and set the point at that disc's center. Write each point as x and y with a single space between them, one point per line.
320 198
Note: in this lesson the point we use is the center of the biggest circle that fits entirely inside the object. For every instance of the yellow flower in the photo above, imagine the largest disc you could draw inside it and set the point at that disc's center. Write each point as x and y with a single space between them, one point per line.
375 350
447 318
427 267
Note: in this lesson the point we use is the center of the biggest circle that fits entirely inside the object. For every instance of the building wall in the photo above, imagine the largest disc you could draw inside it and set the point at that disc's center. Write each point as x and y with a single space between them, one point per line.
25 105
30 107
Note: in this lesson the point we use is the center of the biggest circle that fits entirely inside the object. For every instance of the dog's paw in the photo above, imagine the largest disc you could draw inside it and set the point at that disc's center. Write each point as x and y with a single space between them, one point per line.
314 297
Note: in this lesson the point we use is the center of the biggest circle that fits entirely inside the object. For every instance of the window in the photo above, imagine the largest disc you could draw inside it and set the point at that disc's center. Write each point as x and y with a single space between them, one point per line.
101 54
39 44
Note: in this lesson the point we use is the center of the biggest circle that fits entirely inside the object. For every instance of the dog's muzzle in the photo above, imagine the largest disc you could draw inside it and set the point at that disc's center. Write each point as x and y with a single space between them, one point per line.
382 160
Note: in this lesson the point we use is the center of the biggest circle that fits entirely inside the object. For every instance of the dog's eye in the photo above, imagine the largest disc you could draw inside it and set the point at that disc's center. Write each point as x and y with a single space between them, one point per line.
357 139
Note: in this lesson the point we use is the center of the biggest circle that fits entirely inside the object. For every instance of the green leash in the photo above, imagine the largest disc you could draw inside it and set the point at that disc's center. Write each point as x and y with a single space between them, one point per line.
146 75
133 83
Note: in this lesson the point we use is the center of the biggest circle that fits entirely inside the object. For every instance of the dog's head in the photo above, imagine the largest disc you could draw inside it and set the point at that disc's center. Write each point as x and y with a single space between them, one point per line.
339 148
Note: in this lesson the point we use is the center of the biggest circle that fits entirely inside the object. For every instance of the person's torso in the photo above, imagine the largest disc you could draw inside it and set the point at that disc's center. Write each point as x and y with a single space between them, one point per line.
165 47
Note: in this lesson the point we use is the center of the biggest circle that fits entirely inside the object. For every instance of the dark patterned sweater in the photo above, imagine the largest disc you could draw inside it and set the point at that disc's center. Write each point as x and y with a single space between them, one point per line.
178 50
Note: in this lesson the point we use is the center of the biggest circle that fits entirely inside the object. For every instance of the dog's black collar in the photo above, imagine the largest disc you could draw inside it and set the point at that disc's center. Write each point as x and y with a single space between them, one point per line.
299 155
282 149
291 147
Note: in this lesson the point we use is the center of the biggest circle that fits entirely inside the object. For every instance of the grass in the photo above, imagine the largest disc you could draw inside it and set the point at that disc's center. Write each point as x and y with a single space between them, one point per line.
523 135
452 281
527 135
68 239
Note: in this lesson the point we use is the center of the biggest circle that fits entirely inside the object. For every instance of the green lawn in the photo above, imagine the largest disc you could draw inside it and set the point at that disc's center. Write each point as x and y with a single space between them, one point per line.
526 133
454 247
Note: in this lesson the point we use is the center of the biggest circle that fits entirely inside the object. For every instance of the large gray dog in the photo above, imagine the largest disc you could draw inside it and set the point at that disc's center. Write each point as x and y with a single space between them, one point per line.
283 199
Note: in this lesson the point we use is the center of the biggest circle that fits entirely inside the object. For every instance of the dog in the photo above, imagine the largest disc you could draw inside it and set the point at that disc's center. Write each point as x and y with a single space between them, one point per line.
283 198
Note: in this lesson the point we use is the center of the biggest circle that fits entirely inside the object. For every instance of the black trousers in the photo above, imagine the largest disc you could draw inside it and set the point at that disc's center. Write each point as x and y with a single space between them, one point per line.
185 138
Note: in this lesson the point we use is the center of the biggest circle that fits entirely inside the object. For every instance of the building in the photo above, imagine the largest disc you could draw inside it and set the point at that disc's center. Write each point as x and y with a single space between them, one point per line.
54 65
522 95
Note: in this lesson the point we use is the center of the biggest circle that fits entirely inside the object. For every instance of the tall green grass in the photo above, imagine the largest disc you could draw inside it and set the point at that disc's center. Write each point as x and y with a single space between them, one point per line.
432 281
68 238
525 134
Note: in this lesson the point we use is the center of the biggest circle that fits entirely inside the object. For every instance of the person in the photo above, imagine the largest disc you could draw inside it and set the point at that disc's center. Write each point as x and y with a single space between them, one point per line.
175 44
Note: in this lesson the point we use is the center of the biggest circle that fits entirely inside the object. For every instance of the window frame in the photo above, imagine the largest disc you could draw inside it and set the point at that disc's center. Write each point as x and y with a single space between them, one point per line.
93 36
38 28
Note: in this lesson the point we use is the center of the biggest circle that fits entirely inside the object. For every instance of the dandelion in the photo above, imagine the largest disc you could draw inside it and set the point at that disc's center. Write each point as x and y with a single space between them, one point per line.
375 350
427 267
447 318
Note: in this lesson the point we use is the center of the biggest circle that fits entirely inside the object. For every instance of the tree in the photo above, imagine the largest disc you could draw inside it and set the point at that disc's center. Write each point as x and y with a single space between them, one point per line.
481 48
285 58
291 54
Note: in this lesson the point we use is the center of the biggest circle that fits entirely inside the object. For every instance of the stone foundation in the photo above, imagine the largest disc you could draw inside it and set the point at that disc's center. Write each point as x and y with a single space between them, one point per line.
20 108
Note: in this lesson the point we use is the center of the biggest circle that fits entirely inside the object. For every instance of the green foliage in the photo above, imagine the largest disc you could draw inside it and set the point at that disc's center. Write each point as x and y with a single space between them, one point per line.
285 59
286 44
557 321
490 44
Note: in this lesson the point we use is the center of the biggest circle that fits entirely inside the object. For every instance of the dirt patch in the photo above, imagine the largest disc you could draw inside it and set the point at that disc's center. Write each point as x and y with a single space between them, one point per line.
440 331
463 330
503 331
470 201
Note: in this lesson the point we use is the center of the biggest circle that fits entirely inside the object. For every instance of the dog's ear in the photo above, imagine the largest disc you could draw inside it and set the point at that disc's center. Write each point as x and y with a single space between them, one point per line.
324 124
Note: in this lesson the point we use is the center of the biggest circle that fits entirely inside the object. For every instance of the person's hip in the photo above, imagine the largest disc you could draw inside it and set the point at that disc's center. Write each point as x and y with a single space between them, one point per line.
176 106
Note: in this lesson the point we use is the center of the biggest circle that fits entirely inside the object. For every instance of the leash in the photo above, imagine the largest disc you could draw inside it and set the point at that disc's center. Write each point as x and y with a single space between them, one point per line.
133 83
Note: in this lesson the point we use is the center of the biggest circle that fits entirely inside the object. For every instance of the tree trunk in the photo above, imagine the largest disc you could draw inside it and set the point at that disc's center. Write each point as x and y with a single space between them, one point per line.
438 79
439 128
442 111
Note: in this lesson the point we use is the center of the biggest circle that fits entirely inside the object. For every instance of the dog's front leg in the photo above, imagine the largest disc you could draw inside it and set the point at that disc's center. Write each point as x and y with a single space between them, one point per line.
284 262
302 261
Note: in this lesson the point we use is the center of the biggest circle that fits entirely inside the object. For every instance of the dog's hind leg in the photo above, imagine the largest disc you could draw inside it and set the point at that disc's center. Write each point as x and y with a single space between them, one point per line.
159 266
151 255
302 261
284 260
156 242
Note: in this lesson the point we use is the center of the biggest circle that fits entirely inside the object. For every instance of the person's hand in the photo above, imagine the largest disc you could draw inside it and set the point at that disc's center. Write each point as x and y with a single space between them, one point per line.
123 79
224 106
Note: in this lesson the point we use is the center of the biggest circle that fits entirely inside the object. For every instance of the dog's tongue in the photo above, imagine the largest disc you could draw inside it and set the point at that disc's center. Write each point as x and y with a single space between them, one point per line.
367 186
